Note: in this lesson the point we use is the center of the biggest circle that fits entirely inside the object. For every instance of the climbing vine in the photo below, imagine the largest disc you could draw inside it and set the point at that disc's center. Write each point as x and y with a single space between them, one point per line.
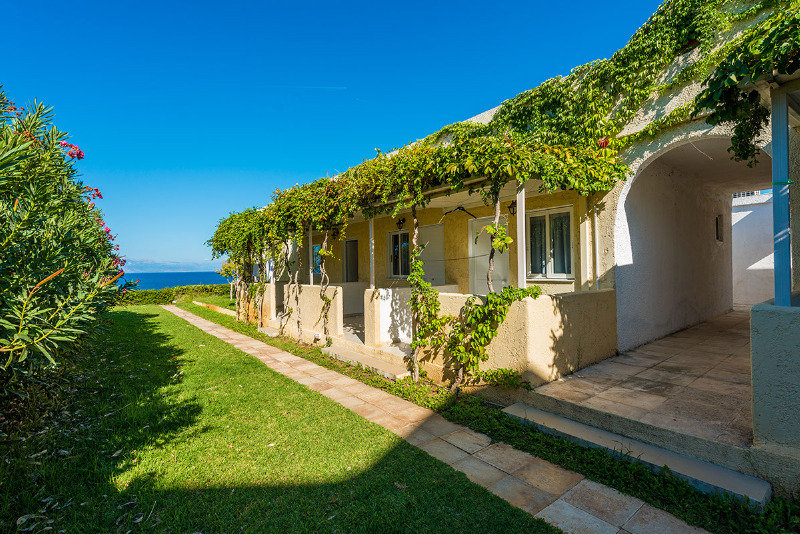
566 134
770 49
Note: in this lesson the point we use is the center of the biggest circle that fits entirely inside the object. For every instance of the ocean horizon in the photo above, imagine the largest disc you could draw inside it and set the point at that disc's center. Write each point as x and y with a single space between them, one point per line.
164 280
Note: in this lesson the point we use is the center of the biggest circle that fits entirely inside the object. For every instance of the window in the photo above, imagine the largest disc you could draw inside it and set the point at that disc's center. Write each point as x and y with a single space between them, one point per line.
317 259
399 255
550 245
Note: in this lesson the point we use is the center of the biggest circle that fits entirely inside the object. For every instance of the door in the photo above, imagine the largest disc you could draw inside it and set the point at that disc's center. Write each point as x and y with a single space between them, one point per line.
431 237
479 258
351 260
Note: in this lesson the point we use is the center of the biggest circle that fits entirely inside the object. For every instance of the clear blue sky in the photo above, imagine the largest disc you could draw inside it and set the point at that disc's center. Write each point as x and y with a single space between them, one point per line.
190 110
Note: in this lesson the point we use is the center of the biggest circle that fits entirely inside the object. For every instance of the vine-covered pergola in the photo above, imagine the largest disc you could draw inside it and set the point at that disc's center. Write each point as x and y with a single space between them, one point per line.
565 134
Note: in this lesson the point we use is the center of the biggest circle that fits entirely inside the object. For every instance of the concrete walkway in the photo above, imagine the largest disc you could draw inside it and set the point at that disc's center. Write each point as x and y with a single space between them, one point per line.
563 498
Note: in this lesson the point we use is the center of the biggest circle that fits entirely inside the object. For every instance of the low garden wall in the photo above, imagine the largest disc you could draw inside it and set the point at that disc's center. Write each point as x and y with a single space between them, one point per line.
387 314
311 311
544 338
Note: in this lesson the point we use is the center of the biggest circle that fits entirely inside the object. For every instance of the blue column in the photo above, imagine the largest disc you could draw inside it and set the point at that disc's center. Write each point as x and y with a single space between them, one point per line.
780 198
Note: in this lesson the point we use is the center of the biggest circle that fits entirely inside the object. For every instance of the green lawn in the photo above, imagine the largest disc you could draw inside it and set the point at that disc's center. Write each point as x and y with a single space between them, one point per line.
169 429
217 300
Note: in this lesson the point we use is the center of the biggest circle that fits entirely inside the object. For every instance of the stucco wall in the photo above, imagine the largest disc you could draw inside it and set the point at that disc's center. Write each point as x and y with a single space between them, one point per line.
544 338
775 338
310 308
676 272
388 315
753 262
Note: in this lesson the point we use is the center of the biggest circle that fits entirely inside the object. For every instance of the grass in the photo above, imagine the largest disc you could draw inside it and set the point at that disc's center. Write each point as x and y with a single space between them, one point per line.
162 427
664 490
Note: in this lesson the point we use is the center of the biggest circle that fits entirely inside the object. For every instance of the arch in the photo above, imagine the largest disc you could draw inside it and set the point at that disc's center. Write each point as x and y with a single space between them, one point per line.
672 269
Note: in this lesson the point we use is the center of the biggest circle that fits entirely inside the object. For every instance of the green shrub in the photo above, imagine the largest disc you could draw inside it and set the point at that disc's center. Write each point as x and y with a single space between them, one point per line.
168 294
58 260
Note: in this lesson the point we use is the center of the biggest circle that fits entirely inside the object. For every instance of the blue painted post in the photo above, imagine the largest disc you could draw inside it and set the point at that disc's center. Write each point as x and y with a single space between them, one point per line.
780 197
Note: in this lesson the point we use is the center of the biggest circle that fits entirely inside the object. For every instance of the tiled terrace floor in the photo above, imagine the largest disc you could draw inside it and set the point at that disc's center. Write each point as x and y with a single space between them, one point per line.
560 497
354 328
696 381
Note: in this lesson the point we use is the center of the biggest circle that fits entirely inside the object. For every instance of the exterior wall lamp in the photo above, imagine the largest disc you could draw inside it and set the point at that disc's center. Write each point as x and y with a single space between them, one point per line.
401 222
512 208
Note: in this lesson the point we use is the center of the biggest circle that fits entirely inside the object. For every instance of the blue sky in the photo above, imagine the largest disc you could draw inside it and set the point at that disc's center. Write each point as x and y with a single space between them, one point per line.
190 110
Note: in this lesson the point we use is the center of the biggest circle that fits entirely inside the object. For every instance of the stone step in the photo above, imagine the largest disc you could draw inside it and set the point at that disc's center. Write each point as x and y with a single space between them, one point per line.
385 369
704 476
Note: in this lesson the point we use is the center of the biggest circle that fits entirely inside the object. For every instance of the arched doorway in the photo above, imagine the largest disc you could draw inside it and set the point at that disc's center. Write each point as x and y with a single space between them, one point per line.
673 239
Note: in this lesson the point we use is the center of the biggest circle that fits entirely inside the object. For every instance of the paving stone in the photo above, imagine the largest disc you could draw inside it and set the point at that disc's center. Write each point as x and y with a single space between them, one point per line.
308 381
439 426
521 495
601 501
631 397
467 440
441 450
615 407
479 471
504 457
395 424
368 411
665 376
335 393
649 520
350 402
548 477
321 386
573 520
415 435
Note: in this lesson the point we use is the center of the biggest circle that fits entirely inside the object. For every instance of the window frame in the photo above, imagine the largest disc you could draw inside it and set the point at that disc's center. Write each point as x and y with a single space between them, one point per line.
549 275
389 264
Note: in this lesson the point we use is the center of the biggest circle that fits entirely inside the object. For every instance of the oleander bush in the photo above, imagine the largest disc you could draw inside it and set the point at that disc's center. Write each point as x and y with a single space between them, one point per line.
58 261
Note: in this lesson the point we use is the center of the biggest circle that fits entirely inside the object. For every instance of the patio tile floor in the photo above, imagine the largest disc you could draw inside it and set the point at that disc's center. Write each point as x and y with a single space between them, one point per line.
560 497
696 381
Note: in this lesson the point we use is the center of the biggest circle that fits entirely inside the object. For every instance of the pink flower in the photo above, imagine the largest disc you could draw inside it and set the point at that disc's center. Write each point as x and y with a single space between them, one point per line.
64 143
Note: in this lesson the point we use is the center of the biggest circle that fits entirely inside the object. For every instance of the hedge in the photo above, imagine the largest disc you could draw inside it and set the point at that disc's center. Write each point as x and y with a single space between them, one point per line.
168 294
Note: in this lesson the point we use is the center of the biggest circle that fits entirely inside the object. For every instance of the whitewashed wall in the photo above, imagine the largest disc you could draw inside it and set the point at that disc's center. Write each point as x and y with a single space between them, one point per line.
753 262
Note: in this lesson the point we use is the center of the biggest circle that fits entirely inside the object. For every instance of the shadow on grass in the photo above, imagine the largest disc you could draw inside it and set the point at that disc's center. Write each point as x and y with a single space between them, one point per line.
144 445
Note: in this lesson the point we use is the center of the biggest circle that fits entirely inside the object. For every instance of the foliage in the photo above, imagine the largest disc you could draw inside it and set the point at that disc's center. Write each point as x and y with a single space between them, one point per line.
503 378
169 294
662 489
58 264
477 325
564 134
771 48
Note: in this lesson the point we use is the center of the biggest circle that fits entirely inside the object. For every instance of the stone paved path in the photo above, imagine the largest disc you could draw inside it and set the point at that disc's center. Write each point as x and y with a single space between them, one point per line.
560 497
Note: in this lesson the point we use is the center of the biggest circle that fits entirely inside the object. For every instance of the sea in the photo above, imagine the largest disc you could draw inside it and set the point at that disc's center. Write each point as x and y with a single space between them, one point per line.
162 280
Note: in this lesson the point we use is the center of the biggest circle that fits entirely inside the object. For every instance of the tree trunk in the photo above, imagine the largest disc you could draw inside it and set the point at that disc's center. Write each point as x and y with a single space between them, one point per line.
297 291
491 251
284 319
323 286
414 315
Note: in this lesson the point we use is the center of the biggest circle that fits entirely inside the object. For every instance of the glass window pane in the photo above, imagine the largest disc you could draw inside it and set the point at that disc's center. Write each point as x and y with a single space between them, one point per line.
538 245
560 243
404 255
317 259
395 254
